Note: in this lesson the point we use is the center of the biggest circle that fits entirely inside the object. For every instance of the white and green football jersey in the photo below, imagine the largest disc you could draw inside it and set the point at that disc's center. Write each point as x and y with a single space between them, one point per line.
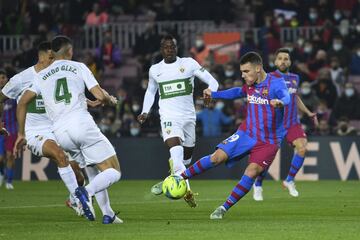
62 86
175 84
36 117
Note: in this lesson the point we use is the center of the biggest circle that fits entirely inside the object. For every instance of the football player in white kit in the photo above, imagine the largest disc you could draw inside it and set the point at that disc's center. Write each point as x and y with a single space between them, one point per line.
173 77
62 86
39 138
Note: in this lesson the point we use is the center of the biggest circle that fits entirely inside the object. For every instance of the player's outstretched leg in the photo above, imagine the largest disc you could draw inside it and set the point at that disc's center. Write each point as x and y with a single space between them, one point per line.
110 173
239 191
157 188
258 190
102 198
9 171
296 164
51 150
198 167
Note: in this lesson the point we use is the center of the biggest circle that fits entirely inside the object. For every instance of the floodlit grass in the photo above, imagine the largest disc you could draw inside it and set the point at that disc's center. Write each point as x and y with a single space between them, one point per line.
324 210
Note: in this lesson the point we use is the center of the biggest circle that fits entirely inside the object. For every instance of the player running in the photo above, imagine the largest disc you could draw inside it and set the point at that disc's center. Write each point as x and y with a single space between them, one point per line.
295 134
174 77
258 136
39 139
62 86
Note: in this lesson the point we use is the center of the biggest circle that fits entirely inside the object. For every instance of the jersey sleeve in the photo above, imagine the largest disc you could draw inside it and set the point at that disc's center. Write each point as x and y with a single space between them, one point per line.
150 93
88 77
231 93
34 88
13 87
281 91
204 75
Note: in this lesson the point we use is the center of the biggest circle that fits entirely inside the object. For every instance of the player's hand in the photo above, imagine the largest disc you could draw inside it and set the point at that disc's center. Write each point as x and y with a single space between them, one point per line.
207 97
19 145
112 100
3 130
142 118
314 118
93 104
276 103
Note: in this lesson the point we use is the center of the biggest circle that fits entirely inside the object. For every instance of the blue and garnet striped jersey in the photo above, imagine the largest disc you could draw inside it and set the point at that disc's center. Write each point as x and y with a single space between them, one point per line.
263 121
291 111
9 116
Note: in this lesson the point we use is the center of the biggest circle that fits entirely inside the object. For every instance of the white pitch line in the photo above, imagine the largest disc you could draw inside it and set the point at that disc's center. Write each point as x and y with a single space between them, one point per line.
115 203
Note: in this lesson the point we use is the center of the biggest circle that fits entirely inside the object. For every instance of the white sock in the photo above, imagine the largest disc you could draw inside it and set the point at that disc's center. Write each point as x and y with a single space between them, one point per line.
102 197
68 176
187 161
102 181
177 155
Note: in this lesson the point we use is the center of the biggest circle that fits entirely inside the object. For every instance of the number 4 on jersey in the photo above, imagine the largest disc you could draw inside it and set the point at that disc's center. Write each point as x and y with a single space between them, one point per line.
62 91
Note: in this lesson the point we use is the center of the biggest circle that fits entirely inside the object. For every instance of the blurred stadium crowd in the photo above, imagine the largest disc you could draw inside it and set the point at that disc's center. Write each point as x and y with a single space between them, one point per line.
328 61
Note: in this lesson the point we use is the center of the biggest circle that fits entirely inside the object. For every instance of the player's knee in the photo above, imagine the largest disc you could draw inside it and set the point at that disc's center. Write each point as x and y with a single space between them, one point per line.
60 158
115 174
216 159
301 150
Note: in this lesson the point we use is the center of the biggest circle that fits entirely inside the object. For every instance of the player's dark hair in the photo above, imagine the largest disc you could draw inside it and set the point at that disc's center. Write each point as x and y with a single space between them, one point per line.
168 37
251 57
282 50
59 42
2 72
44 46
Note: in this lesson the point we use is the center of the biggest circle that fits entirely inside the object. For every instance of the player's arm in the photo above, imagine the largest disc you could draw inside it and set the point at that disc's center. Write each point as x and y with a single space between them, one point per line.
102 96
231 93
281 94
93 86
149 98
21 110
304 109
3 130
207 78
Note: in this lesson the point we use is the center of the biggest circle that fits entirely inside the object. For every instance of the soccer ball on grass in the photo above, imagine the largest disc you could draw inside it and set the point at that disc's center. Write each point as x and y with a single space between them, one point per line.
174 187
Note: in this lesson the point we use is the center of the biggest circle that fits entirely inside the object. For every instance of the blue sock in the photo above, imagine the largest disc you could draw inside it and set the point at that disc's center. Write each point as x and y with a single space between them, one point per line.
197 168
239 191
9 172
296 164
1 168
260 178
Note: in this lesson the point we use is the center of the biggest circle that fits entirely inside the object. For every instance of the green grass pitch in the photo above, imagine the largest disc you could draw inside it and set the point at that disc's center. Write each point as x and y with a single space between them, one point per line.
324 210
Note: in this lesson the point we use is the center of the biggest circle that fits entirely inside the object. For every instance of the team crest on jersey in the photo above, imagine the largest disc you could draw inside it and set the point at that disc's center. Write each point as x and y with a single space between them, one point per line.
265 92
294 82
182 69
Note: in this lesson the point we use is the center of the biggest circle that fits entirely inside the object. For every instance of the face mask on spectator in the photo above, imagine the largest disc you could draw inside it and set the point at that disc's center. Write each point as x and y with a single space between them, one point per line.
358 28
337 16
135 107
199 43
313 16
358 53
219 105
300 42
280 21
271 64
305 91
349 92
337 46
307 49
134 131
229 73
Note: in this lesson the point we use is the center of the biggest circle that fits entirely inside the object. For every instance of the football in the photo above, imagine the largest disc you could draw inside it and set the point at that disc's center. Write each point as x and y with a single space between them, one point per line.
174 187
